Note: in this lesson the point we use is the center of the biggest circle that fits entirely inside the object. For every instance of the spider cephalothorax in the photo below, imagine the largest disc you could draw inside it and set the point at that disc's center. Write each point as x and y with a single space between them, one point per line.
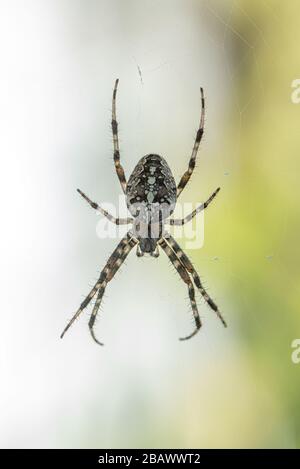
151 195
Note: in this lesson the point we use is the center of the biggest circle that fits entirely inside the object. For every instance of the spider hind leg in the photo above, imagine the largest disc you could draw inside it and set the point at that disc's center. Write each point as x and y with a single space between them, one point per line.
113 264
190 268
184 274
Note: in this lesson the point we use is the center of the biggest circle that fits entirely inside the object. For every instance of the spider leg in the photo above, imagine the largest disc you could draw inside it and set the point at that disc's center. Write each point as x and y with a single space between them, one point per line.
181 269
190 268
117 221
100 281
115 261
83 305
114 126
182 221
185 178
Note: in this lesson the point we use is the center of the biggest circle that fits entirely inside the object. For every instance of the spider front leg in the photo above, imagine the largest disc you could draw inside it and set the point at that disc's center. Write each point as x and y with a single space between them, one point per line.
114 126
174 258
186 177
182 221
112 265
190 268
117 221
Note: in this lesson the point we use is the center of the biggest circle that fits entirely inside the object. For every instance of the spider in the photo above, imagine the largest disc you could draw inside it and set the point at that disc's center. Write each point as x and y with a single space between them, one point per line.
151 195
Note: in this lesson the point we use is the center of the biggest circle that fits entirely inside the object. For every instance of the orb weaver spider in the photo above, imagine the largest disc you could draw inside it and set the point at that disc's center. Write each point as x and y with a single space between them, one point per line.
151 195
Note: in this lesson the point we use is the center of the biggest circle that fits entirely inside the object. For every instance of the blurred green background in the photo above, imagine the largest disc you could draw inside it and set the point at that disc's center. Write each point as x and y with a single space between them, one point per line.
225 388
260 227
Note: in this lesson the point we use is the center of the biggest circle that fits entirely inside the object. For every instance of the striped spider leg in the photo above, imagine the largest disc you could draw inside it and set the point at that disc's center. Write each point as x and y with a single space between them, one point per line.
181 269
117 221
114 126
189 275
186 177
113 264
183 221
193 273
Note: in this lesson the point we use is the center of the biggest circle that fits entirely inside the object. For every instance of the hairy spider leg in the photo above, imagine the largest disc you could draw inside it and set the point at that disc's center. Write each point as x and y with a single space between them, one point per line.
114 263
182 221
117 221
114 126
181 269
190 268
105 276
186 177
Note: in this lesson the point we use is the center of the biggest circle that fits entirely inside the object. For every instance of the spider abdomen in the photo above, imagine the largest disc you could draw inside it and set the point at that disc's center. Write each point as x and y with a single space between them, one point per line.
151 189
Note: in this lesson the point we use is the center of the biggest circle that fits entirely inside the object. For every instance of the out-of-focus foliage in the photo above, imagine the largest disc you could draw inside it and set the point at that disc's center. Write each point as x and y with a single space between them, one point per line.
257 233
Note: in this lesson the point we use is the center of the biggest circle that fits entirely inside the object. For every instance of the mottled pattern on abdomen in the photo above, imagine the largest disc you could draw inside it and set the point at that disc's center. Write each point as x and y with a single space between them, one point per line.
151 187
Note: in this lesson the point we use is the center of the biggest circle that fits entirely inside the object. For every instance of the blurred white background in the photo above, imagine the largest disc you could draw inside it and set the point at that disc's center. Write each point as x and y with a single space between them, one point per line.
59 60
